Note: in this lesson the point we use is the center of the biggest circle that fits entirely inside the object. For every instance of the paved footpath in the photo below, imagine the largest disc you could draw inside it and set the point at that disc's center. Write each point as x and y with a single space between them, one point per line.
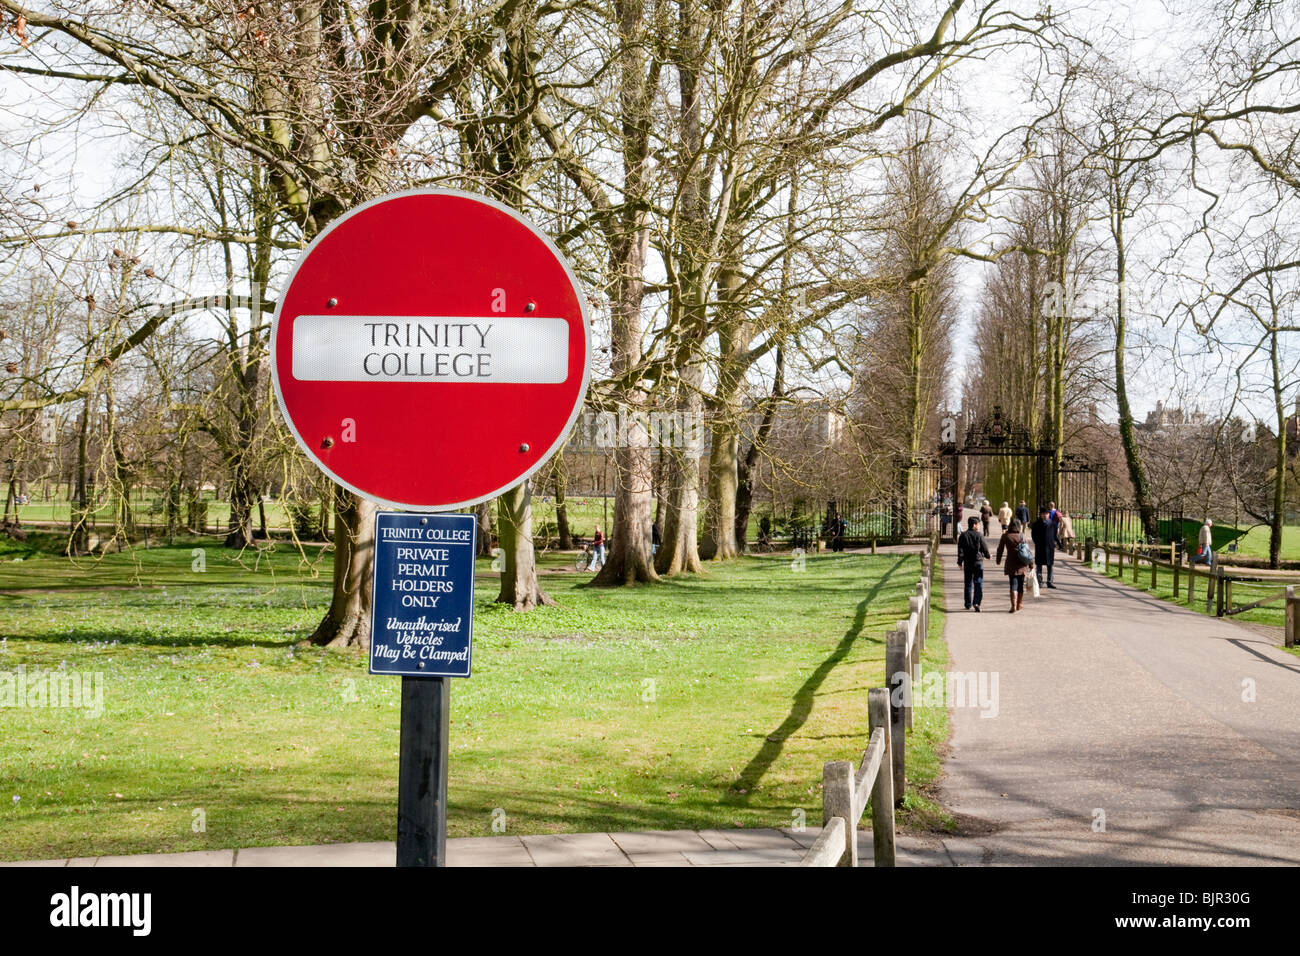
1182 729
645 848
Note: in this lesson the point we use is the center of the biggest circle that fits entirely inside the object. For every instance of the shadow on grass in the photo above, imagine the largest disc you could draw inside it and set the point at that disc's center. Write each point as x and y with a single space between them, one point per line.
108 636
805 695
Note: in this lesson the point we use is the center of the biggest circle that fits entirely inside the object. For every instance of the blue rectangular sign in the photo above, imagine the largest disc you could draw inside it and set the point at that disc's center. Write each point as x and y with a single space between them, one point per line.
423 608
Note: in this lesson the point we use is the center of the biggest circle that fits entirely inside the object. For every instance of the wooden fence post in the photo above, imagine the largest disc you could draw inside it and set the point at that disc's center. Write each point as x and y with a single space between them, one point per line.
1216 592
1292 616
882 791
1134 557
1154 565
1119 564
1176 572
925 613
922 609
1191 581
1225 604
914 607
909 628
896 681
837 801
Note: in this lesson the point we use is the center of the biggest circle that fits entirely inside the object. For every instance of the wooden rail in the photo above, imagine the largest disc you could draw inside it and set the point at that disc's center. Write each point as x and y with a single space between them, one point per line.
1218 580
880 779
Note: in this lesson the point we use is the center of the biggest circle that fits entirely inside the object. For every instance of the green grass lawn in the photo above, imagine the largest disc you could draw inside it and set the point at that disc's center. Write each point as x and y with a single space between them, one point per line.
1255 542
700 702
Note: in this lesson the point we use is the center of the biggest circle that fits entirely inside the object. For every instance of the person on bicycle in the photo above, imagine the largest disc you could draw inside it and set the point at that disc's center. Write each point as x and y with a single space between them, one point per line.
597 550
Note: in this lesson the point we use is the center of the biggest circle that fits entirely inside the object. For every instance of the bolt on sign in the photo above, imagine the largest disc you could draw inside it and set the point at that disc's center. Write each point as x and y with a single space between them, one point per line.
431 350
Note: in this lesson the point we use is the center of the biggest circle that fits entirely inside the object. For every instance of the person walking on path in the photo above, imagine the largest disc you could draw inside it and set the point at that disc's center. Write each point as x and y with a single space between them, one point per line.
971 552
1022 514
1065 531
1043 532
1015 568
1205 551
1004 516
986 515
597 550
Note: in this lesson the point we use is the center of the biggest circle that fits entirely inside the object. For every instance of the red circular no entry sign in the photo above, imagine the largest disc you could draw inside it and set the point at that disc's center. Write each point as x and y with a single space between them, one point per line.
431 349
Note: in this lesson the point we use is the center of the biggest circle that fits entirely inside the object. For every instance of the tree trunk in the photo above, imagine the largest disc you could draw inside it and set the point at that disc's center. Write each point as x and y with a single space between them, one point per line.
1132 454
629 559
720 534
679 549
326 508
11 499
519 585
1279 462
347 622
173 508
240 530
720 521
747 464
561 479
79 537
483 514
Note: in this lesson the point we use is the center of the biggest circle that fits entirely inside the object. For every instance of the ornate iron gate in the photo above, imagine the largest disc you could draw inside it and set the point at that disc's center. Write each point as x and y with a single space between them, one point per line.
1012 467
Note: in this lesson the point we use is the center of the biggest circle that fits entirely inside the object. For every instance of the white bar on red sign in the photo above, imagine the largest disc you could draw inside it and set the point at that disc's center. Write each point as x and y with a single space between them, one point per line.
386 348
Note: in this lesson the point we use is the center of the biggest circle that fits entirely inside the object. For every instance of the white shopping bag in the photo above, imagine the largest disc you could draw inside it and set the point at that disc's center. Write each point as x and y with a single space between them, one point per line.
1034 578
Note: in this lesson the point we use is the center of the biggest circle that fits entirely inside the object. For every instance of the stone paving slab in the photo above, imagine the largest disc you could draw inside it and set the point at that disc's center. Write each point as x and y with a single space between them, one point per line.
337 854
575 849
639 848
484 851
770 856
760 839
197 858
660 841
658 859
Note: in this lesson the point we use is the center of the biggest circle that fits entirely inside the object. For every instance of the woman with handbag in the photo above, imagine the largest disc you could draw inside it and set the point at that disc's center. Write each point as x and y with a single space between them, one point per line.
1014 544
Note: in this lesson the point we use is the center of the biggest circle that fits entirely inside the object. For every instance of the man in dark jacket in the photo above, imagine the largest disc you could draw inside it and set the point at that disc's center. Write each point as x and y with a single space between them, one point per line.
1022 514
971 552
1044 533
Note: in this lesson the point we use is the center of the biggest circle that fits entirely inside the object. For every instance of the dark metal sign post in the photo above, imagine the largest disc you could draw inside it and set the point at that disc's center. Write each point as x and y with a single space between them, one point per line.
421 627
422 772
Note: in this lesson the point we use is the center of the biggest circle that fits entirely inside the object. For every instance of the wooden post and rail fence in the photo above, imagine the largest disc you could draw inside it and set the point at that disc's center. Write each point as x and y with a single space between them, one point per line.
880 780
1216 580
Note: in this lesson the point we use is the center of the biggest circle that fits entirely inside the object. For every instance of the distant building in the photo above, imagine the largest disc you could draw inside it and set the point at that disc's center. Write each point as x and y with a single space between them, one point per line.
1166 416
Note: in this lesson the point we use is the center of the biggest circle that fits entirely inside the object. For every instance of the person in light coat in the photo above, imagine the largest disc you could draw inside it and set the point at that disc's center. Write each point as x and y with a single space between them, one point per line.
1065 533
1205 553
1005 515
